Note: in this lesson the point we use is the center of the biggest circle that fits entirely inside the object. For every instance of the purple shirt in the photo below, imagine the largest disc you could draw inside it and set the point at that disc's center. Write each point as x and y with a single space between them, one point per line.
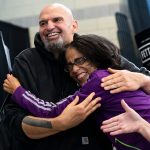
111 106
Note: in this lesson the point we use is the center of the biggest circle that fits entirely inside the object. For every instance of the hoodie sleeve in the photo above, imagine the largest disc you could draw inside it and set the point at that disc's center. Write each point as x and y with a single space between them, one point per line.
13 116
126 64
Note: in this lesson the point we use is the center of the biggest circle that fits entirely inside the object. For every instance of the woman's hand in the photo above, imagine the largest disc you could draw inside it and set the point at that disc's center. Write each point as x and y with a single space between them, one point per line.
127 122
10 84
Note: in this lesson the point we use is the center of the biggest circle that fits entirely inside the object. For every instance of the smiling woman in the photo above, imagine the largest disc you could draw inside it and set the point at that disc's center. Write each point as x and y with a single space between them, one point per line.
88 57
79 66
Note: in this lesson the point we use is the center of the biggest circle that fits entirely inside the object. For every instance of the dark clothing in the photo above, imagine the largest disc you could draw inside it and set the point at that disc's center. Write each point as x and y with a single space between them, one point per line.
40 73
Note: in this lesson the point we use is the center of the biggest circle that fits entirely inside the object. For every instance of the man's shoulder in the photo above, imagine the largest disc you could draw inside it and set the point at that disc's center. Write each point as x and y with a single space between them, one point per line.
27 52
30 54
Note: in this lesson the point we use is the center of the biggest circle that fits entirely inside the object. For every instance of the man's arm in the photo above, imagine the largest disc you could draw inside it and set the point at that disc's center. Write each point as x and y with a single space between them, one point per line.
123 80
72 115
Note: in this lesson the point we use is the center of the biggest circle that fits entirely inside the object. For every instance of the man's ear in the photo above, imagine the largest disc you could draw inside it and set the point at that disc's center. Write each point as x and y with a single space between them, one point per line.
75 26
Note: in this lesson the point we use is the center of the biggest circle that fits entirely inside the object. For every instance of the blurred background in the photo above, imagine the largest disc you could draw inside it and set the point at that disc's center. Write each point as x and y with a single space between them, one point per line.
121 21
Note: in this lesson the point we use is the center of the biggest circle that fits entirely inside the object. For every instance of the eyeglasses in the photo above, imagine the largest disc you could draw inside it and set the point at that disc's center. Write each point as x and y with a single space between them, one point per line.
77 62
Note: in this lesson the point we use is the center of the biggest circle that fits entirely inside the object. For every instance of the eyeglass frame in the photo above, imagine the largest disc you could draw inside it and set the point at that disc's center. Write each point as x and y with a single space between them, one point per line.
78 61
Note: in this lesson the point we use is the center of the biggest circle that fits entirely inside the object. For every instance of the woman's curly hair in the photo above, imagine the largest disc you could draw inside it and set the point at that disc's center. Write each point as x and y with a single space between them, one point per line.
100 51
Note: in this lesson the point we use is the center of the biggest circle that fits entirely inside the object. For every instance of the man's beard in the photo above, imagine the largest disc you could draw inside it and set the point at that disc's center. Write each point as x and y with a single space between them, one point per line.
56 47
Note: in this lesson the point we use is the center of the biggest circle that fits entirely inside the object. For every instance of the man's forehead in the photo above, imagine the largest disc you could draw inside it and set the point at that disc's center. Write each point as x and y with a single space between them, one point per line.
50 17
55 11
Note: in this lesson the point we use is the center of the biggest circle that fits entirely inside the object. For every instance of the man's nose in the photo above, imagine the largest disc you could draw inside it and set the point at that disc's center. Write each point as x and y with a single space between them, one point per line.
50 25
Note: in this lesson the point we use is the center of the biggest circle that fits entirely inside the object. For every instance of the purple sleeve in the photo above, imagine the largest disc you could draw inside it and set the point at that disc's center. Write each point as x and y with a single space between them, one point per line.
39 107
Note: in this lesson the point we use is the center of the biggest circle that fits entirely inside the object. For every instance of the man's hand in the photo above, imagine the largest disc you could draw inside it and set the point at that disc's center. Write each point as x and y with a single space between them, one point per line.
75 113
10 84
123 80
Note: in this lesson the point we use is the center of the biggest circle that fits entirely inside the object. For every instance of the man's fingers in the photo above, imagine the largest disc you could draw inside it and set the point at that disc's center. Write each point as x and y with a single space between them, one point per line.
93 105
93 109
75 101
88 99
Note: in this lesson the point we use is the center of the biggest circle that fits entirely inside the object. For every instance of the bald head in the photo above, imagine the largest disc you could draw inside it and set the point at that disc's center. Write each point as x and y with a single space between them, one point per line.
58 6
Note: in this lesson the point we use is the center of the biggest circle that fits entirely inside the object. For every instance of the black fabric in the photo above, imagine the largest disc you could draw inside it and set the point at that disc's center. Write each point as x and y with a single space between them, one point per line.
16 39
4 136
3 72
132 67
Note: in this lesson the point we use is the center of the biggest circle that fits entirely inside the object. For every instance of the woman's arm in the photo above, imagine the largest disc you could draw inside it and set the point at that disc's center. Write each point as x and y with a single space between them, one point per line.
128 122
33 104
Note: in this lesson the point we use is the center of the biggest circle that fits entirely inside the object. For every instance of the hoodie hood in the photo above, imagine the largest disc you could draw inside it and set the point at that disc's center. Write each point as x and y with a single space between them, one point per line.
37 41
